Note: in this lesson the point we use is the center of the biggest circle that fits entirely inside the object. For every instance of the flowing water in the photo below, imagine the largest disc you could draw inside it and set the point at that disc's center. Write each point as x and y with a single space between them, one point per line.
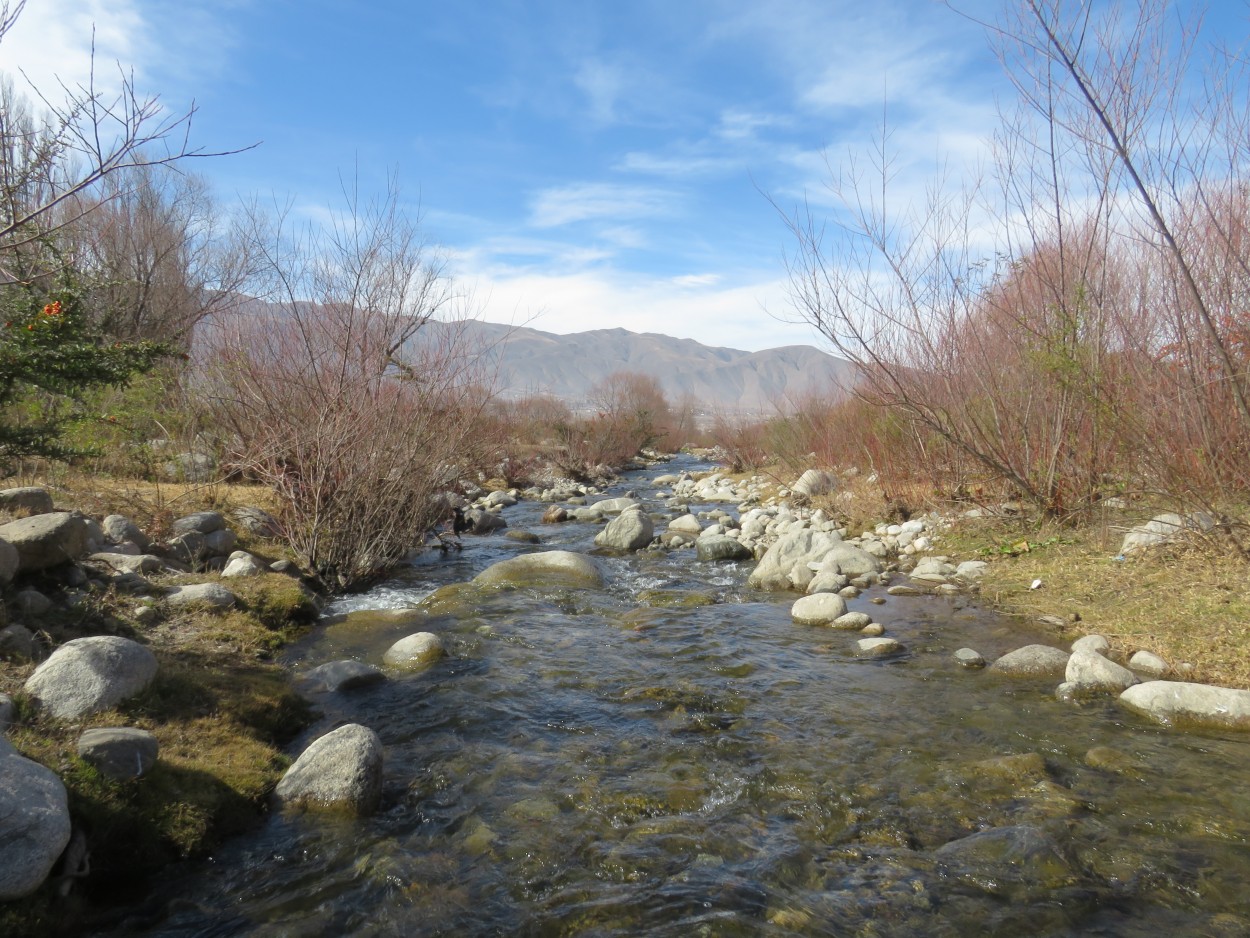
643 760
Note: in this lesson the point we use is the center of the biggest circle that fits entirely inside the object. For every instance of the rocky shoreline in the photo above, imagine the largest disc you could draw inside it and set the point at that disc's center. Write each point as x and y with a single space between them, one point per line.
795 549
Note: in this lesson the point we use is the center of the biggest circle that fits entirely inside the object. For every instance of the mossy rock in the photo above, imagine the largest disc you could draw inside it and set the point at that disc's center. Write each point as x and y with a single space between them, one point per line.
676 599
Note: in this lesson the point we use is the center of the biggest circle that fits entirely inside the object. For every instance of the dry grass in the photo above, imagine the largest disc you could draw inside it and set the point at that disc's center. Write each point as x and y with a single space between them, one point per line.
1187 603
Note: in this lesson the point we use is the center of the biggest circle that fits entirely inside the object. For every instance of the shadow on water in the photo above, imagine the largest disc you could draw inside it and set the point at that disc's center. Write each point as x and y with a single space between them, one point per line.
584 763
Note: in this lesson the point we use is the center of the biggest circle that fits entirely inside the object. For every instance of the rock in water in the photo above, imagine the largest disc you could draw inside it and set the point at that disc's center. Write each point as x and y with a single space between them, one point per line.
818 609
721 547
631 530
1032 661
1172 702
341 771
553 569
415 650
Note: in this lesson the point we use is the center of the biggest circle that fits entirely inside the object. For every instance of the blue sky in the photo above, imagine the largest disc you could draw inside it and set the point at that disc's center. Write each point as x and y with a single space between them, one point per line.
583 164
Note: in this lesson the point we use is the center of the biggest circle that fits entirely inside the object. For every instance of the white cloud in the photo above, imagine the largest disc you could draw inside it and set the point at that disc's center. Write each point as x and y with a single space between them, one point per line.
742 125
656 165
582 201
602 83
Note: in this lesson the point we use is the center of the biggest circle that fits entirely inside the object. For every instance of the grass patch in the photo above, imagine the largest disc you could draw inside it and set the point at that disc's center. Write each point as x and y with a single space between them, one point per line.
1187 603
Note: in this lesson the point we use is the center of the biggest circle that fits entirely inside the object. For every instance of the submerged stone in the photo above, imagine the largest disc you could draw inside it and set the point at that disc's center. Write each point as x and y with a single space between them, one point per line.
544 569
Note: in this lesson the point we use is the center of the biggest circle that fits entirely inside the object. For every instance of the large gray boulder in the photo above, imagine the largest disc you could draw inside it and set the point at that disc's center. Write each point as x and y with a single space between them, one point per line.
794 549
483 522
341 771
548 568
1032 661
719 547
201 522
142 564
88 675
48 540
614 506
257 521
850 561
241 563
343 675
34 823
30 500
686 524
120 752
119 529
1173 702
630 530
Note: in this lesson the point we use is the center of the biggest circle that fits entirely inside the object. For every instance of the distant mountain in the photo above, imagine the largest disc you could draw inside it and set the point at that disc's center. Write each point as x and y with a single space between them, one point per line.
528 361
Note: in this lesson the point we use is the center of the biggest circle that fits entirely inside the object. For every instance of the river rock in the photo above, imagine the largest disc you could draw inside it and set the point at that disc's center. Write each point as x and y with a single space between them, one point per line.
1149 664
500 499
1097 644
523 537
791 553
614 506
220 543
414 651
29 500
241 563
553 569
207 594
686 524
555 514
31 603
1091 672
34 823
852 621
631 530
340 771
818 609
343 675
121 752
88 675
483 522
970 571
141 564
721 547
877 646
1164 528
1172 702
969 658
1032 661
1016 860
47 540
851 561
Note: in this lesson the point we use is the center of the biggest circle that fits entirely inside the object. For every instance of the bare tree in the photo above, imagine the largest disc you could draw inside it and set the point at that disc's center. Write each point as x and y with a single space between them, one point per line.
353 392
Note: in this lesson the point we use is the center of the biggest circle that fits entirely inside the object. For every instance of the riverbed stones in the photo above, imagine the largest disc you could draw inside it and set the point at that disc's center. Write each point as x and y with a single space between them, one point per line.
719 547
555 514
1032 661
47 540
202 522
1179 702
1019 860
971 571
480 521
790 555
119 752
1090 672
614 506
631 530
34 823
818 609
552 569
212 595
91 674
1149 664
243 564
877 646
341 771
852 620
686 524
343 675
415 651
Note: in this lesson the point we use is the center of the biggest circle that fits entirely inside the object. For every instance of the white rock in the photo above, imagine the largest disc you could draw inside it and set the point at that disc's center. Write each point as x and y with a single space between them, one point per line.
342 770
1149 664
414 651
1098 644
818 609
1090 671
91 674
877 646
34 823
1172 702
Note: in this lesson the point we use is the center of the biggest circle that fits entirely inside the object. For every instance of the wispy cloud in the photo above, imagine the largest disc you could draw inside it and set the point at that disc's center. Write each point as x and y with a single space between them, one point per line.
583 201
602 83
676 165
742 125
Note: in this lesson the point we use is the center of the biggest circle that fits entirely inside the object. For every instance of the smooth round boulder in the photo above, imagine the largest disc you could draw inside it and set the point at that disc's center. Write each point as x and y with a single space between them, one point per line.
1032 661
686 524
551 569
1097 644
121 752
1149 664
852 620
415 651
241 563
818 609
28 499
341 771
34 823
1090 672
47 540
969 658
721 547
877 646
91 674
119 529
555 514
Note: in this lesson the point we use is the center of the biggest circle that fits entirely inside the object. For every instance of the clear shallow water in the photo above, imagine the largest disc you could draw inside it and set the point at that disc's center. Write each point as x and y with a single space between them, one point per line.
586 764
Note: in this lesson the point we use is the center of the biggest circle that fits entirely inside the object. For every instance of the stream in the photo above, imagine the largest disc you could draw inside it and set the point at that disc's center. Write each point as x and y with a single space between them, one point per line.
672 755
